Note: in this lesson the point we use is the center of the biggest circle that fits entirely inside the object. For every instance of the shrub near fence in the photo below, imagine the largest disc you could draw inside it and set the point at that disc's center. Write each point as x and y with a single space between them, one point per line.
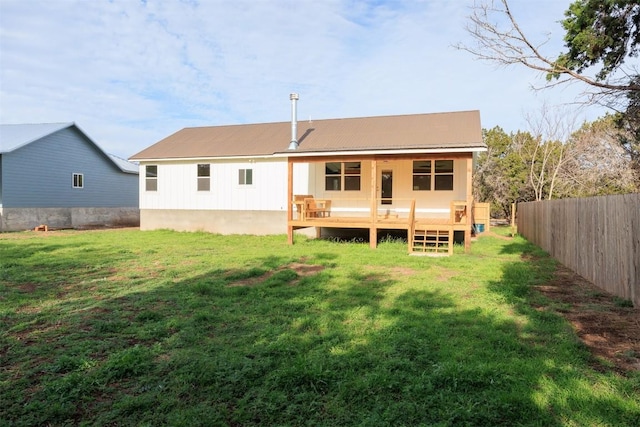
597 237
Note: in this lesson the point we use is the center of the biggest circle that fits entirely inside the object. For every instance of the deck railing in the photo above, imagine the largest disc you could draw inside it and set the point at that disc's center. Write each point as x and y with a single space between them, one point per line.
412 225
394 214
308 207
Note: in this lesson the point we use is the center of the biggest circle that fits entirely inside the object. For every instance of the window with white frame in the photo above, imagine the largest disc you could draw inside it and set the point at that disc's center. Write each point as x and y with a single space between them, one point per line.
342 175
245 177
436 175
204 177
77 180
151 177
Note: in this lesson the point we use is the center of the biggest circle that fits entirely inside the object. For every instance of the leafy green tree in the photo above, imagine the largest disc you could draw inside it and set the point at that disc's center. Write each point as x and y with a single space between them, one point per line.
606 33
601 37
501 176
629 136
521 167
603 33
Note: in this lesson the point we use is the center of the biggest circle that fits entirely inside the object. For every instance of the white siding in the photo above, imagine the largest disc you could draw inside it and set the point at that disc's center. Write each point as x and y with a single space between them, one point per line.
177 186
303 178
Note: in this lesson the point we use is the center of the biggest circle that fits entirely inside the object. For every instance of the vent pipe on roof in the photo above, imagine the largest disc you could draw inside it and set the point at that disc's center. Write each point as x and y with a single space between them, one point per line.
294 122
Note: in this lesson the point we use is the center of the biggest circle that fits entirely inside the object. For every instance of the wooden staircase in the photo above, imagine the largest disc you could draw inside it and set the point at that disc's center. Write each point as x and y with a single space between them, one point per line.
435 240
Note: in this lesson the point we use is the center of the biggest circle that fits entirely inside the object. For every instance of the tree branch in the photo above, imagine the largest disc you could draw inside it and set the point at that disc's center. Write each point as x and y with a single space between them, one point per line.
511 46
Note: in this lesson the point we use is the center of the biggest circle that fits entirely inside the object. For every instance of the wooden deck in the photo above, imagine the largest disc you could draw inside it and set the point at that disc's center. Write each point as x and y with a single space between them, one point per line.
424 234
367 222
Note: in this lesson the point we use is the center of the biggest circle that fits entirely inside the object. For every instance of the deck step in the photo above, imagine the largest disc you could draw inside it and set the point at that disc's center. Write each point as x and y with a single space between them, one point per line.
432 241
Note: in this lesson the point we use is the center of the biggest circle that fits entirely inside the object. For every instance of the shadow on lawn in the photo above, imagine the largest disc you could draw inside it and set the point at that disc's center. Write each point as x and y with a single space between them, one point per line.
333 348
554 344
32 271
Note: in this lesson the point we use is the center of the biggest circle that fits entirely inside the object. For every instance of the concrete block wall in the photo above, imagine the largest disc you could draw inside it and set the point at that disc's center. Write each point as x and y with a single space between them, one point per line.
20 219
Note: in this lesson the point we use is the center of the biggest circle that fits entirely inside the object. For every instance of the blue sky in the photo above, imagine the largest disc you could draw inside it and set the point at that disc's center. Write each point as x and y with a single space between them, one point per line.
130 72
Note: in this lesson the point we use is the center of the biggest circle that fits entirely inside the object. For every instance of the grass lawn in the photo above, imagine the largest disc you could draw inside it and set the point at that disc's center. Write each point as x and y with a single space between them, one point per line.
123 327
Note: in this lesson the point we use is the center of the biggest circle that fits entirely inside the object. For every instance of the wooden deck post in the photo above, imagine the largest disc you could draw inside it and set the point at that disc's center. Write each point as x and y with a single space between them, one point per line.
467 230
373 231
289 201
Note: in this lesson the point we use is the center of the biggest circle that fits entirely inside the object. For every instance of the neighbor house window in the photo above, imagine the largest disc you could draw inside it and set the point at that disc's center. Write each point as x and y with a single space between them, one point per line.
245 177
339 175
436 175
204 177
151 177
78 180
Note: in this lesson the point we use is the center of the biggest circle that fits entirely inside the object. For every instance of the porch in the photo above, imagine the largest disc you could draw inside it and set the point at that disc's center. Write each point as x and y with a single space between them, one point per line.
428 213
428 230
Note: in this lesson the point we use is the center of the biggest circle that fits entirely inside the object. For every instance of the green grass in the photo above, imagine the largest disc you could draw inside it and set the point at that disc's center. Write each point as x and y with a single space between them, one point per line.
165 328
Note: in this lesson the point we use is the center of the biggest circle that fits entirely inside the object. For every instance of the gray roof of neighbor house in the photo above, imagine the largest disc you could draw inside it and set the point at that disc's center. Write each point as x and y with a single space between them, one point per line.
15 136
429 132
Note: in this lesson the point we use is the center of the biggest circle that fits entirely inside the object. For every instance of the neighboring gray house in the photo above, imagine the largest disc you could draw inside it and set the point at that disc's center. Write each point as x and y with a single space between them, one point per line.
53 174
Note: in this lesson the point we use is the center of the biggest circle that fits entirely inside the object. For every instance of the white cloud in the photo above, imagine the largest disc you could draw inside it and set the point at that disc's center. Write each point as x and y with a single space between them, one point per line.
131 73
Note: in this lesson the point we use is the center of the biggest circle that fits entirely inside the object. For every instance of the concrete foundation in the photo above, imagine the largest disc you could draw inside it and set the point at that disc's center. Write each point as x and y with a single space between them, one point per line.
221 222
20 219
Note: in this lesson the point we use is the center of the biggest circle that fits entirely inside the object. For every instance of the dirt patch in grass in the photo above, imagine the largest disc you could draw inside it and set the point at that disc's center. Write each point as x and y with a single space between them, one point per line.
402 271
393 271
607 325
302 270
444 274
28 288
497 236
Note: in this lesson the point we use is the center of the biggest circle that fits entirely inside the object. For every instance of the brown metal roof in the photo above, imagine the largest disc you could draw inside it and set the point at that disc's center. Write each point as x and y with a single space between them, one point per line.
457 130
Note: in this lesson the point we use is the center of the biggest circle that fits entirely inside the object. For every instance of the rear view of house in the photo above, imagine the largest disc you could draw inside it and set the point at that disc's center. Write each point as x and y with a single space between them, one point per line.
54 174
411 172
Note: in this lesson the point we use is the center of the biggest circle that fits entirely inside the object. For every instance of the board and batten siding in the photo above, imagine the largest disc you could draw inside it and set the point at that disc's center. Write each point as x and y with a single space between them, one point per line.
39 175
178 186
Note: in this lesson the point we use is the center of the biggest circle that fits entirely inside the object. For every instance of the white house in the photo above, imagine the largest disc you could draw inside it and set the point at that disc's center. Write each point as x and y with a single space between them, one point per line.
410 172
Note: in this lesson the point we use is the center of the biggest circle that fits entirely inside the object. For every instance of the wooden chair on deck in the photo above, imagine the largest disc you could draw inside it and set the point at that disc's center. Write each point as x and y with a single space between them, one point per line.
298 201
316 208
458 212
309 207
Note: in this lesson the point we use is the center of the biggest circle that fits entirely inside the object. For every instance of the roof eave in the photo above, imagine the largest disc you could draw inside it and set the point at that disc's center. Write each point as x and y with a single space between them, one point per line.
370 152
200 158
317 153
33 139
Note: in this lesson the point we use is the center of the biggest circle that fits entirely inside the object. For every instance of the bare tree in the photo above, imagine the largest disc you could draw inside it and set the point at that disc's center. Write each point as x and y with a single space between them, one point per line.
506 44
600 165
543 148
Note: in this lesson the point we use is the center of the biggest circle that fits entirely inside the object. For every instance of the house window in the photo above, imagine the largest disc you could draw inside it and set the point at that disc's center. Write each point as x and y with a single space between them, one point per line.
151 177
444 175
78 180
204 177
437 175
245 177
352 174
422 175
340 175
332 172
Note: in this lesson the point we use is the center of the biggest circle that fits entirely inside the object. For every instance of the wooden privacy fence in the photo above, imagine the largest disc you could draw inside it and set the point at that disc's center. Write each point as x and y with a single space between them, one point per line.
597 237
